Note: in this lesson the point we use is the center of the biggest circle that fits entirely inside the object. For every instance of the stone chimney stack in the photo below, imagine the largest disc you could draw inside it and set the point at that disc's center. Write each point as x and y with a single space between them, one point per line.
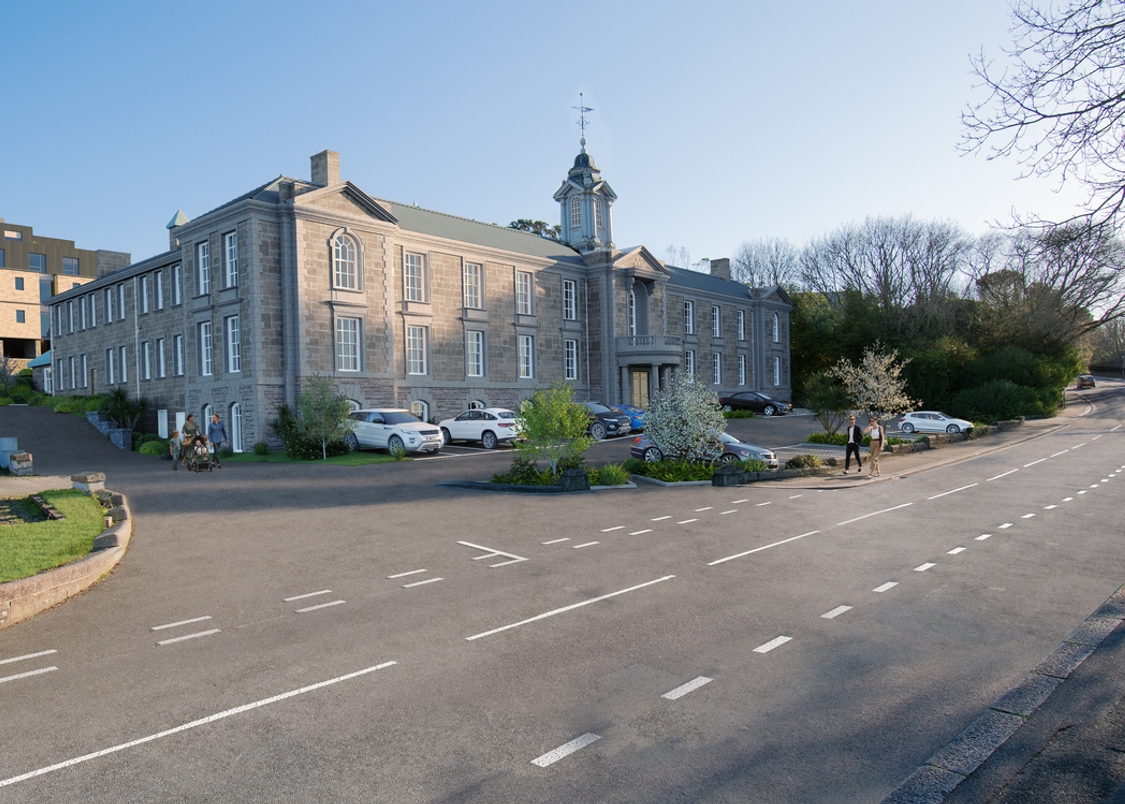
325 168
721 268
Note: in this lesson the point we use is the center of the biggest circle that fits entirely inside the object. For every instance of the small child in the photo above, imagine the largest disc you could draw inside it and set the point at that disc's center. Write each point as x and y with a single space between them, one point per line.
176 448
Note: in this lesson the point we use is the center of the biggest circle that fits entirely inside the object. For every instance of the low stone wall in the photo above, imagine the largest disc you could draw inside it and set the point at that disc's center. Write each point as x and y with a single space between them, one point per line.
24 598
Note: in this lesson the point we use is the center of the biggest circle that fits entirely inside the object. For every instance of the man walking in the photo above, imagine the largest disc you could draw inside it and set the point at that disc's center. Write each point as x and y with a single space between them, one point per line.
216 435
855 438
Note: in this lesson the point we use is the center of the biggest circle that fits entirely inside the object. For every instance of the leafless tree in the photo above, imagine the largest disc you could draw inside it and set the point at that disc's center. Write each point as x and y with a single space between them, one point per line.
765 262
678 257
1058 104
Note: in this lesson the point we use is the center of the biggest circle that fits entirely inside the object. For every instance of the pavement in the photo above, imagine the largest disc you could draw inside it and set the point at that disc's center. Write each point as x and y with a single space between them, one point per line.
1058 736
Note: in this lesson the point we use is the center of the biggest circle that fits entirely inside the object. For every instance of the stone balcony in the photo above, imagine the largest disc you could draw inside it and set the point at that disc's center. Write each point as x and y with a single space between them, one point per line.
651 349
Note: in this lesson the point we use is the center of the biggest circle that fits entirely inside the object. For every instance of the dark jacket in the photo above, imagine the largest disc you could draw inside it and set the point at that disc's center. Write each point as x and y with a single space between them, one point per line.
857 435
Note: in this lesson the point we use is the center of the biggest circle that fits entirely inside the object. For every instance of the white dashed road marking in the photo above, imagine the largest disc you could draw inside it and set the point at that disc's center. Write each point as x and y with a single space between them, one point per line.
181 622
188 636
28 656
615 527
580 546
661 518
886 586
687 521
1049 507
759 549
391 577
1005 474
1034 462
1060 452
952 491
956 550
836 612
28 674
418 583
320 606
566 750
761 504
1027 516
708 508
773 643
639 532
684 689
874 513
983 536
738 502
924 567
324 591
1005 526
556 541
731 511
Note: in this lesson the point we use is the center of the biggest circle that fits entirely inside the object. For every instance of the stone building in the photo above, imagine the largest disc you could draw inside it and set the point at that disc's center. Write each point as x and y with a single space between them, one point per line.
35 268
407 307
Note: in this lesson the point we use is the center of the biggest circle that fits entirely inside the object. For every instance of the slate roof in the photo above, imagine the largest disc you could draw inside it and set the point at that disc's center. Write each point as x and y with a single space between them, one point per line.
706 282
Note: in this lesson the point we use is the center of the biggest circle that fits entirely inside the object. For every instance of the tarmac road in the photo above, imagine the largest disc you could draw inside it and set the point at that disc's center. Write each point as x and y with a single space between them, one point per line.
372 637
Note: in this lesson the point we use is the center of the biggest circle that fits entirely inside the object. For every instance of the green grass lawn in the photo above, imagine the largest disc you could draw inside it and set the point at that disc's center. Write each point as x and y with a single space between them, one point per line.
357 458
31 547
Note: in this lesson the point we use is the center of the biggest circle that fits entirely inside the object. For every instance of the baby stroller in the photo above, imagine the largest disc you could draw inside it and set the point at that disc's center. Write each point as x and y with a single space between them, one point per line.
201 456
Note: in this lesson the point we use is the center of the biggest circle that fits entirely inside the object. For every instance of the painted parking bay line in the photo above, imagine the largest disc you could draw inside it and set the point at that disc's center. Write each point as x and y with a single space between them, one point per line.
319 606
571 607
684 689
28 656
565 750
181 622
28 674
759 549
194 724
776 642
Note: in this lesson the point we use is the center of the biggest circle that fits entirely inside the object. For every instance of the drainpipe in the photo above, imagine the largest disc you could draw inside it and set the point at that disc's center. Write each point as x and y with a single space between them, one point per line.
136 339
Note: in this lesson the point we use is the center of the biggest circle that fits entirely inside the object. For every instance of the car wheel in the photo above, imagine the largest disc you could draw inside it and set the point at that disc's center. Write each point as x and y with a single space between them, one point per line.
446 438
728 457
727 408
394 444
488 439
597 431
352 442
770 410
653 455
907 428
953 429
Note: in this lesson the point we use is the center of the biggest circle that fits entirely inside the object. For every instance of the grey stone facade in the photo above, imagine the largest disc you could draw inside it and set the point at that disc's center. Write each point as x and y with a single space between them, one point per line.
300 278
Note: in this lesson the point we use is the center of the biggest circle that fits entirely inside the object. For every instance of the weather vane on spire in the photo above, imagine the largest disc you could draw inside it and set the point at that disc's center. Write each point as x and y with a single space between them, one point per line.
582 109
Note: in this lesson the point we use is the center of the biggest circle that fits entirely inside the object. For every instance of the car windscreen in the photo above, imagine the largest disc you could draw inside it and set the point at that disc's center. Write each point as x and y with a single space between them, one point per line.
400 417
594 407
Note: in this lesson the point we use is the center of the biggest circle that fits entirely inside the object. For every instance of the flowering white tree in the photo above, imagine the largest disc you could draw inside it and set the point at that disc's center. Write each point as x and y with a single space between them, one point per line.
685 420
876 384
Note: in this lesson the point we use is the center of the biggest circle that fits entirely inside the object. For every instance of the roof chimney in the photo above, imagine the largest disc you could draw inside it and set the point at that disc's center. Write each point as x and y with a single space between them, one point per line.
721 268
326 168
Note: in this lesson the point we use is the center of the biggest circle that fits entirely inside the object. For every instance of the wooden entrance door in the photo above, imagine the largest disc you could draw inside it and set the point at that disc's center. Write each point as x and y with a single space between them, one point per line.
640 388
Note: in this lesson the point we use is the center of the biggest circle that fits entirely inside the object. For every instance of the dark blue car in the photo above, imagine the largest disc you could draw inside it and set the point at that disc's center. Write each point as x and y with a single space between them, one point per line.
636 415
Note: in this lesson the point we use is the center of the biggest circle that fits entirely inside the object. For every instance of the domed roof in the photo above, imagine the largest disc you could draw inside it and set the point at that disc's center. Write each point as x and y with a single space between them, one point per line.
583 162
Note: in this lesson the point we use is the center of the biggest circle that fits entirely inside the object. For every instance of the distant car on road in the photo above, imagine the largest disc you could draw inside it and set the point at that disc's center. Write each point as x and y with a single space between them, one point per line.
392 429
489 426
756 402
932 421
605 422
645 449
1085 381
636 415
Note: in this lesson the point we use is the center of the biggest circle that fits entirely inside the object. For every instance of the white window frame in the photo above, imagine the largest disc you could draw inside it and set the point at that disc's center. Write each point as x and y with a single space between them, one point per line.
121 302
632 312
689 362
110 375
416 344
716 321
178 355
777 371
206 349
61 374
73 372
474 353
345 262
93 310
347 344
234 418
689 317
570 359
144 294
233 330
742 369
570 300
107 303
203 268
177 284
473 284
82 312
159 288
413 277
146 360
716 368
575 214
742 325
525 349
161 365
69 317
230 259
84 370
420 409
776 328
123 363
525 297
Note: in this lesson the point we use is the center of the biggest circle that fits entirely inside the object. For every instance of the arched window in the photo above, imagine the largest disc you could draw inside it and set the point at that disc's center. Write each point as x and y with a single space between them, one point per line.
420 409
776 328
234 426
345 263
354 405
476 404
206 420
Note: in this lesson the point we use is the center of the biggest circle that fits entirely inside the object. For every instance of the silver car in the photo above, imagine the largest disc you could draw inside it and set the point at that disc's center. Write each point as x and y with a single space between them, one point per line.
392 429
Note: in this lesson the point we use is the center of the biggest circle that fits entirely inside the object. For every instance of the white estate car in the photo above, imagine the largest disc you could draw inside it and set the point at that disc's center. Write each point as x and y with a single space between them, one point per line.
390 429
489 426
932 421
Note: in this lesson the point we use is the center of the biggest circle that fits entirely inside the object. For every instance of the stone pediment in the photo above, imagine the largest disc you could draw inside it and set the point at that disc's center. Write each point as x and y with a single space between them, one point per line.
773 293
346 197
639 261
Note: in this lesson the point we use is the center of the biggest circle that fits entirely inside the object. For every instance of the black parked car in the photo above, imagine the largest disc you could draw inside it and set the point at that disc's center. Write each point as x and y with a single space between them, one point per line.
605 422
759 403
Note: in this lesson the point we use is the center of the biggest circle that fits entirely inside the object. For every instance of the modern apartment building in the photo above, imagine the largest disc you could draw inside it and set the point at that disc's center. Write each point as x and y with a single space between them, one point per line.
404 306
34 268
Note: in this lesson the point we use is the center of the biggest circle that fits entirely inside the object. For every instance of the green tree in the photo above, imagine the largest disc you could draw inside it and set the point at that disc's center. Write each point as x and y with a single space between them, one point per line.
541 228
828 399
324 413
685 421
552 428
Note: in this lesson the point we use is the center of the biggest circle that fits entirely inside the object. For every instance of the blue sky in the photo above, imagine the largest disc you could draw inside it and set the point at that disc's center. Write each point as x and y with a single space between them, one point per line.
715 122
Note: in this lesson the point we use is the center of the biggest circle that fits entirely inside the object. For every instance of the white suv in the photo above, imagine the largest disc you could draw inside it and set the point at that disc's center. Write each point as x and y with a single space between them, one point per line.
392 429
